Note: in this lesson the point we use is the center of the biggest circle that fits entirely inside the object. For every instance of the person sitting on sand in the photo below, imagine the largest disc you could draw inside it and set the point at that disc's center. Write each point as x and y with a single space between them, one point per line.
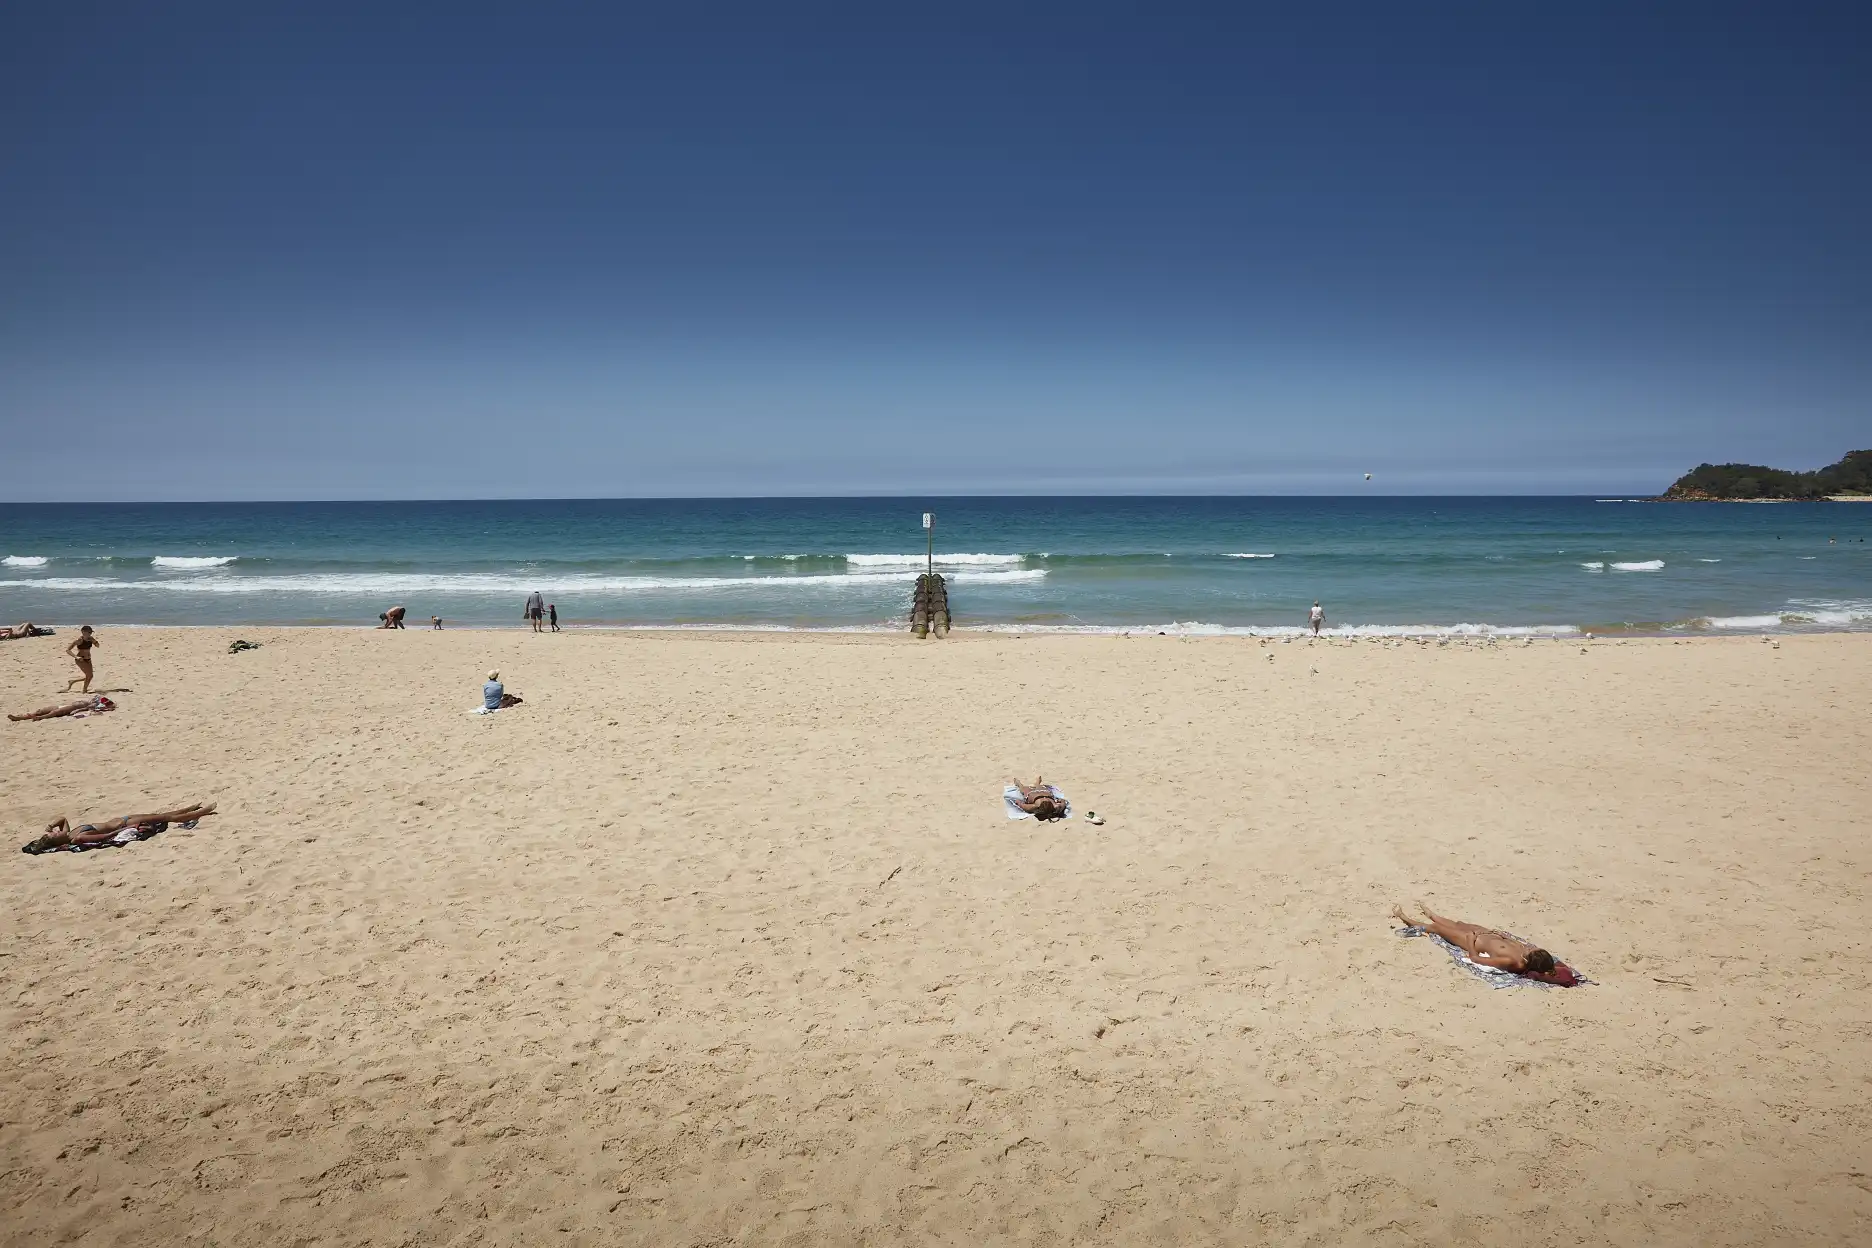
1038 800
96 702
393 618
494 696
1485 946
59 833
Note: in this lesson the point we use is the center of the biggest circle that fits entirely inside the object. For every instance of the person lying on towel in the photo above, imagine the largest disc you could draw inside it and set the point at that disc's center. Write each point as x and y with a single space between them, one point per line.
1038 800
96 702
1485 946
60 834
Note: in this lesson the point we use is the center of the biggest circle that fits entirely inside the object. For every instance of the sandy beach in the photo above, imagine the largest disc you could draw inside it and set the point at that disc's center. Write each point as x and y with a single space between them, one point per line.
724 938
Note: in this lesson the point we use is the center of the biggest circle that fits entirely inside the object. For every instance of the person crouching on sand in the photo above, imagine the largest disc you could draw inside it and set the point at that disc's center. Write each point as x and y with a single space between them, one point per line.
393 618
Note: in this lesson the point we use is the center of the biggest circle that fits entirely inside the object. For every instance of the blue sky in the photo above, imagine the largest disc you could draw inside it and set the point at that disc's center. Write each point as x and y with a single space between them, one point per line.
597 250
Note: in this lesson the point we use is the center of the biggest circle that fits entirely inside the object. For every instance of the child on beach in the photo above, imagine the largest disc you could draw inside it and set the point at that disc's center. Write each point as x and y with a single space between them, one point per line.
552 613
80 650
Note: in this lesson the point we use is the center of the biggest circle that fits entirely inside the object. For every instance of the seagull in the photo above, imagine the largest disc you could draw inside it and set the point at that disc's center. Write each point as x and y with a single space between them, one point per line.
1368 476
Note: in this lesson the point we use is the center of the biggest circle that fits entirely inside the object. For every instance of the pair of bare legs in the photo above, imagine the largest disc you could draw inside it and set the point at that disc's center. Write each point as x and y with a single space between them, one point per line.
17 631
1037 800
57 712
1483 945
60 832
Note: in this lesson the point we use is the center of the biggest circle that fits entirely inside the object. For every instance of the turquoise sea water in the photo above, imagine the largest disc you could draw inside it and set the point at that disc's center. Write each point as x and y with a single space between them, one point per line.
1203 564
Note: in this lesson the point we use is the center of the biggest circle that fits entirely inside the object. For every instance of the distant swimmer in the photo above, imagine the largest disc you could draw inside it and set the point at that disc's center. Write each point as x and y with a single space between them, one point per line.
1315 618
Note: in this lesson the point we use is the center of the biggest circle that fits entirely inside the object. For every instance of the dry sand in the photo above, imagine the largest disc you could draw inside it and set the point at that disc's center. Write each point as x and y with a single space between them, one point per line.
724 939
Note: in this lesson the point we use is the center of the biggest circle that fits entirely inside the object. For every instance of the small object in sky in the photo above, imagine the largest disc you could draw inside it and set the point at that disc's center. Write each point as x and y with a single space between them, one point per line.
1368 476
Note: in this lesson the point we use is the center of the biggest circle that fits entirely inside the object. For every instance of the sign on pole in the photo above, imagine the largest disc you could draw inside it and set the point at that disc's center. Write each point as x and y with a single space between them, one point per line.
926 520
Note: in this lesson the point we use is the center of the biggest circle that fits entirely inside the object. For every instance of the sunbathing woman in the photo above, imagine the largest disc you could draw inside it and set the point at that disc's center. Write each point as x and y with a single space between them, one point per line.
1484 946
59 833
18 631
96 702
1038 800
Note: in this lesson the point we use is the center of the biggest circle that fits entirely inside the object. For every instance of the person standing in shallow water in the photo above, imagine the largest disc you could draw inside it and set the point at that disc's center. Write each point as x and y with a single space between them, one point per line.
80 650
535 609
1315 618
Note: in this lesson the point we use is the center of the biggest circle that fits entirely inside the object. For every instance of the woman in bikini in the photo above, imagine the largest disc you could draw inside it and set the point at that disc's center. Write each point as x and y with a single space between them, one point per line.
1038 800
80 649
1485 946
121 831
96 702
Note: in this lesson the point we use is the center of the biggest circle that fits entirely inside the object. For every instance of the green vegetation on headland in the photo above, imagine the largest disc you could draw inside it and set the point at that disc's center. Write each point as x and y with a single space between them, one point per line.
1737 483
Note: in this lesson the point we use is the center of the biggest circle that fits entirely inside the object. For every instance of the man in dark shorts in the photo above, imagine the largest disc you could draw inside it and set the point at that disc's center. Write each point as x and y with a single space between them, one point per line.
535 610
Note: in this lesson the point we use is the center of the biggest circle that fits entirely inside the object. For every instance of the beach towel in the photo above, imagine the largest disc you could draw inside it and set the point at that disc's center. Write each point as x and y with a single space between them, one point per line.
1562 976
99 705
1011 796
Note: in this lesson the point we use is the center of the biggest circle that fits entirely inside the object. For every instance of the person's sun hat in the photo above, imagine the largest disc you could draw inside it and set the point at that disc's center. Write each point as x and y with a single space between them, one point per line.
494 675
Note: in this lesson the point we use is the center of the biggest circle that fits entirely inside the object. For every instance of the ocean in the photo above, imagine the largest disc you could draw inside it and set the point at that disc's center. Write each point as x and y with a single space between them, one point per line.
1197 565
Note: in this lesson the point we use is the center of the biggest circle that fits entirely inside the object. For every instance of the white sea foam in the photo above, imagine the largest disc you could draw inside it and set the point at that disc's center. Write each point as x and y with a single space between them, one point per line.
948 561
24 561
1743 621
1594 566
1247 556
192 561
374 583
1709 561
1642 565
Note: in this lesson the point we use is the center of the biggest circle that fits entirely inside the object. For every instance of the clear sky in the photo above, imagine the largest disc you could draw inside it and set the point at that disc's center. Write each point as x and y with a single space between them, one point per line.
605 250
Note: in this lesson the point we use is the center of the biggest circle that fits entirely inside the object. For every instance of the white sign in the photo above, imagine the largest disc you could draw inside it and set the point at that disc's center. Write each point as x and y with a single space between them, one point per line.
926 519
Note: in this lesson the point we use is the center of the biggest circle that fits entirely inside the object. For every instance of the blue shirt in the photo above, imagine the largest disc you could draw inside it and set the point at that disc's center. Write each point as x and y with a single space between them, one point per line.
491 695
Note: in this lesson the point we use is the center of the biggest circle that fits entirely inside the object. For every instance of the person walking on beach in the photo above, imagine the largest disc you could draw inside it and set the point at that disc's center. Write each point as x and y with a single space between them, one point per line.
535 609
552 614
1315 618
80 650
